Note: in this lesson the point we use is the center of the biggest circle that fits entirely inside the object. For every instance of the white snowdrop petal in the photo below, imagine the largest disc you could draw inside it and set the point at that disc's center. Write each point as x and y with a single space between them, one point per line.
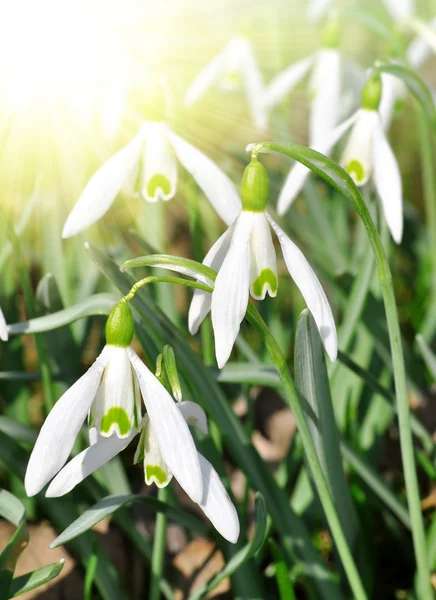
62 426
254 88
210 74
175 440
113 410
387 179
217 187
423 45
230 296
316 9
298 174
400 10
103 187
216 504
194 415
393 89
159 168
85 463
4 336
311 290
201 301
155 469
326 96
357 158
263 268
283 83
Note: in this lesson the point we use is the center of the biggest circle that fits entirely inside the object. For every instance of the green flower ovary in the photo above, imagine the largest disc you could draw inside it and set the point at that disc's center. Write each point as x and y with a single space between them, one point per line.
255 187
116 416
371 93
120 325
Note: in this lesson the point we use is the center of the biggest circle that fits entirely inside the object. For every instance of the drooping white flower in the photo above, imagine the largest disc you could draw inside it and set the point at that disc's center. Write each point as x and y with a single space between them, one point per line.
215 502
245 259
234 67
367 155
423 45
324 85
4 336
151 158
110 393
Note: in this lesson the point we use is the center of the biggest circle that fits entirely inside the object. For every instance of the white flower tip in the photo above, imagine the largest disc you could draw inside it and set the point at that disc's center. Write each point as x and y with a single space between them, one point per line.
330 341
70 228
250 147
32 485
222 356
53 492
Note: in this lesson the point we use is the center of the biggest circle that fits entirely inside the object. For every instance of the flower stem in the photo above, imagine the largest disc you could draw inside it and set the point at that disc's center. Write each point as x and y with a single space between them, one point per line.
341 181
163 279
321 484
158 555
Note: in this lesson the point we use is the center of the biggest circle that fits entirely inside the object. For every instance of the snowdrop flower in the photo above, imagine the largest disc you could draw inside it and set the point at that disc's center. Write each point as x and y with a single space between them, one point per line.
4 336
110 395
325 84
367 155
215 502
245 259
233 67
150 158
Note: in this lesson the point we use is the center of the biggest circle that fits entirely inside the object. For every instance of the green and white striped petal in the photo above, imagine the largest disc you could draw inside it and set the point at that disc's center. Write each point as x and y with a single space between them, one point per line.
98 454
230 296
263 268
201 301
4 336
159 167
61 427
148 451
311 290
357 158
104 186
115 406
171 430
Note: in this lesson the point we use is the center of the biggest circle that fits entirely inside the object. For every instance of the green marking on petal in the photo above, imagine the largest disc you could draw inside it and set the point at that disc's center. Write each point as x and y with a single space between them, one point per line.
355 169
116 416
266 277
156 472
158 182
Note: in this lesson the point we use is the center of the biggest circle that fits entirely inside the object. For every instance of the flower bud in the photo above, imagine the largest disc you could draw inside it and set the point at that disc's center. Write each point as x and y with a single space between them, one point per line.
255 187
371 93
331 34
120 326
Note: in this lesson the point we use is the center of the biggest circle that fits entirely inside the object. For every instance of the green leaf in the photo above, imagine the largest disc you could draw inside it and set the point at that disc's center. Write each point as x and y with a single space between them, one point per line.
243 555
107 506
284 583
30 581
99 304
12 509
415 84
427 355
312 384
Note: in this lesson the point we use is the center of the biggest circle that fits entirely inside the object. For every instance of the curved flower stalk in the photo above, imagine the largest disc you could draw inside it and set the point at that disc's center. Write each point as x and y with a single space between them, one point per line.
4 336
324 85
245 259
234 67
150 160
367 155
110 394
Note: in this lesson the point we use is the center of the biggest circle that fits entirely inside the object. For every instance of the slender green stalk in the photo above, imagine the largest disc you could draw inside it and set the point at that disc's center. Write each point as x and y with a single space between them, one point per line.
321 484
429 182
159 544
340 180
